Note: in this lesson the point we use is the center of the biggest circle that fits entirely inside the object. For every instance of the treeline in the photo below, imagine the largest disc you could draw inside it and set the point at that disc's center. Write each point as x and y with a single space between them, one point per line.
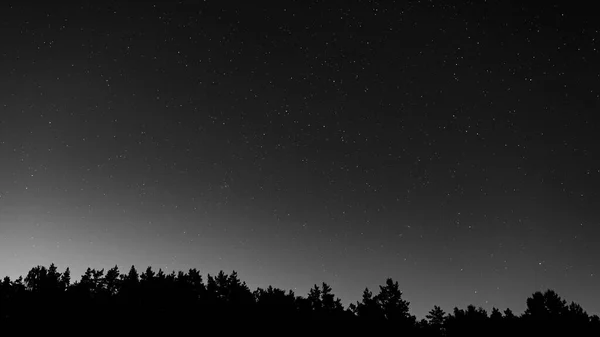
186 299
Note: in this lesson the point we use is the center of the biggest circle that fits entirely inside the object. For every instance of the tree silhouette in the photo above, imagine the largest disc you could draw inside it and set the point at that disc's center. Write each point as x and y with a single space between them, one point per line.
132 279
98 280
147 276
195 281
47 296
239 297
545 306
393 306
594 323
6 295
129 292
332 307
53 279
222 285
35 280
112 281
469 322
437 318
508 314
368 308
314 298
496 315
65 279
496 323
275 304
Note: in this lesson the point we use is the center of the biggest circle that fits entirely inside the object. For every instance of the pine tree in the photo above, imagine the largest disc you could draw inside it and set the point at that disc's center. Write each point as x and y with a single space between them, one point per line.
391 302
436 318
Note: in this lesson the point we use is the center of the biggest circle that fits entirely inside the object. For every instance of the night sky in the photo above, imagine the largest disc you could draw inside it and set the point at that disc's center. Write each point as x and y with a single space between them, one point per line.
450 145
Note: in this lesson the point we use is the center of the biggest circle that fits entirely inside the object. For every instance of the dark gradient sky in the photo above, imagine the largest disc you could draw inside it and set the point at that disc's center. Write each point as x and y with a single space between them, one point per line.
453 148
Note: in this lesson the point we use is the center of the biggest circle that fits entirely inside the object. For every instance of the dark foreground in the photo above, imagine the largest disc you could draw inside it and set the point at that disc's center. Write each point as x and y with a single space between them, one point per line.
103 302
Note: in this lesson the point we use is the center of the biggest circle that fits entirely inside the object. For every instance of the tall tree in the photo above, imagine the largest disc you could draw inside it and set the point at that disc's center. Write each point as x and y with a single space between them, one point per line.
327 297
496 315
436 318
6 297
195 280
509 315
211 288
86 283
65 279
112 280
390 300
331 306
547 305
238 291
148 275
36 278
222 283
98 280
53 278
314 298
368 308
130 284
132 277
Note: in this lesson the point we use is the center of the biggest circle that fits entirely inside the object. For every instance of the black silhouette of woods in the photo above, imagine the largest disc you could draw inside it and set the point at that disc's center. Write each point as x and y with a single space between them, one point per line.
48 296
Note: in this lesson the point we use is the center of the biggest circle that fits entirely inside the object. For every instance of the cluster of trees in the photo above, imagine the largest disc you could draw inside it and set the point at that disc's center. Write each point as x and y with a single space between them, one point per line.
46 295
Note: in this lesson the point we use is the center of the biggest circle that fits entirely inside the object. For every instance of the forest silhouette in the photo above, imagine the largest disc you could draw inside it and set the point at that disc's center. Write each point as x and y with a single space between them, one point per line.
185 299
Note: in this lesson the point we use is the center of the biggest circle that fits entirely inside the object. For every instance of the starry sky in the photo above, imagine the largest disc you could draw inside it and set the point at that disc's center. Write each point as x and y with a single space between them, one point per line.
450 145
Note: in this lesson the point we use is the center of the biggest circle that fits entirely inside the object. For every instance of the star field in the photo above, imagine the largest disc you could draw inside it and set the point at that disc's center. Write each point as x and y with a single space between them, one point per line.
451 147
